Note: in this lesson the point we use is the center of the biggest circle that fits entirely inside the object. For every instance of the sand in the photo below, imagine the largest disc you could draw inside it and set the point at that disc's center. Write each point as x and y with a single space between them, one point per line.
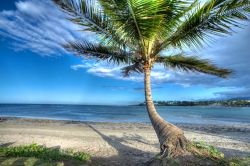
117 143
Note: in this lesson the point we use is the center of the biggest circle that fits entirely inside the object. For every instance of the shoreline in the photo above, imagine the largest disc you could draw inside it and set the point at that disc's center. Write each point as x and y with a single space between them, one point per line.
233 126
116 143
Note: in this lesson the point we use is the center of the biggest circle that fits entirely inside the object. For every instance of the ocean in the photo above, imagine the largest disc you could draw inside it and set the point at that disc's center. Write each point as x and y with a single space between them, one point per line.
93 113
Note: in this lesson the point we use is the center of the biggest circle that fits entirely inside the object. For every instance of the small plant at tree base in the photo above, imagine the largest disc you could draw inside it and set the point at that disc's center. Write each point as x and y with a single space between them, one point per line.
205 150
204 154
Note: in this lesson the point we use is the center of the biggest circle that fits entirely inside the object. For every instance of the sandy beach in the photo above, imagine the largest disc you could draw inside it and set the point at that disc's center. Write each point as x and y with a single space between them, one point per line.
117 143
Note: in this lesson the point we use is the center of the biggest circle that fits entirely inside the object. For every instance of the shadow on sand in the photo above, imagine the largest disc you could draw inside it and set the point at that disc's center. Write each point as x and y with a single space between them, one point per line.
126 155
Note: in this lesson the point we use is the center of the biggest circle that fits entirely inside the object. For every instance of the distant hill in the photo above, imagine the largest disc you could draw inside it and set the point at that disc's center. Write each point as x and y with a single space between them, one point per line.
241 98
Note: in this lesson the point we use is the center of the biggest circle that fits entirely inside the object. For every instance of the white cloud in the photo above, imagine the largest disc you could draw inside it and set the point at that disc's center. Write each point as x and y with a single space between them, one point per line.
81 66
103 69
158 75
7 13
39 26
29 7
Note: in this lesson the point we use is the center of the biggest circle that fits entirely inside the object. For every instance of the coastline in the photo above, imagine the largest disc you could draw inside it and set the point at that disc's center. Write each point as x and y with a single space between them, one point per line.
116 143
129 114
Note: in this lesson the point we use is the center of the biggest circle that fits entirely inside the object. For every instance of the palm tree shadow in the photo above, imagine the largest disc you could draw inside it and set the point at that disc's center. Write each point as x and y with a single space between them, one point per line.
126 155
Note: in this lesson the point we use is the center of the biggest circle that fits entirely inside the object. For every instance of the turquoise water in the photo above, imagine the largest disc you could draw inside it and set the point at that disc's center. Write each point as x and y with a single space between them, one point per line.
174 114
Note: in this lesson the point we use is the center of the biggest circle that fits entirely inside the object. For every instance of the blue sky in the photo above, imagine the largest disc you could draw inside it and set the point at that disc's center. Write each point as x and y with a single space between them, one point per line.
34 68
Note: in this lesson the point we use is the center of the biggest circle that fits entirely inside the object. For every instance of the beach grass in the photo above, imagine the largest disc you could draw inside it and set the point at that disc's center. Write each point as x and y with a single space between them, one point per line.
35 154
208 152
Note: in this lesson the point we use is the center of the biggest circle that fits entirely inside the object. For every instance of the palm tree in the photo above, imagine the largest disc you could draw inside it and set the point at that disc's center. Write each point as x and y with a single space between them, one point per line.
136 32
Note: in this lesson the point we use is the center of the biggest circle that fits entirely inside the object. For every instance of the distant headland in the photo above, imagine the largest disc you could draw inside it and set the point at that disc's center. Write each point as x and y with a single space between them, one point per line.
236 102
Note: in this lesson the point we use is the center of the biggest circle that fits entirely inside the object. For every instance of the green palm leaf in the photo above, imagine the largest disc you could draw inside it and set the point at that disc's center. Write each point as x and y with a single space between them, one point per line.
99 52
192 63
216 17
88 13
134 68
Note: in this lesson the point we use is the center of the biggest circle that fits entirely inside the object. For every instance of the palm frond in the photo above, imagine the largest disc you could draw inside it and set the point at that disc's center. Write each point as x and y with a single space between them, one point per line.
136 67
173 13
216 17
88 13
99 52
138 19
192 63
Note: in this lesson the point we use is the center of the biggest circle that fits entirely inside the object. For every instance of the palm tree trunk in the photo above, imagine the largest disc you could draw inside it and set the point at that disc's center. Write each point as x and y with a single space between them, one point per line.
171 138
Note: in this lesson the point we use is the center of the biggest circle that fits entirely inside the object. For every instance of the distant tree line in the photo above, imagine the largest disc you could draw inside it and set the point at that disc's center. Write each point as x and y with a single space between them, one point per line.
229 103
